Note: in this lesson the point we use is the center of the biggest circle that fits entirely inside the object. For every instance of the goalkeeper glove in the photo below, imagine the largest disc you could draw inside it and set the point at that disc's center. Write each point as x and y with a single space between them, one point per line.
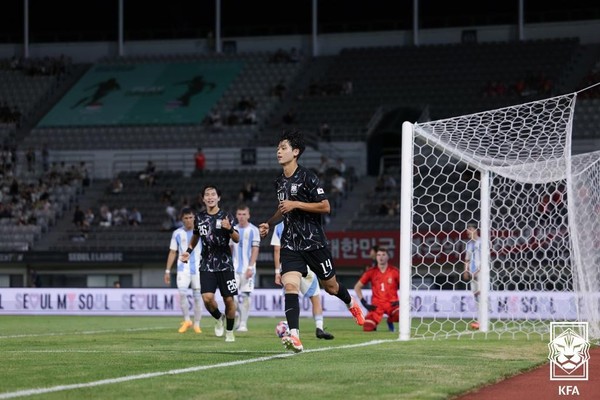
368 306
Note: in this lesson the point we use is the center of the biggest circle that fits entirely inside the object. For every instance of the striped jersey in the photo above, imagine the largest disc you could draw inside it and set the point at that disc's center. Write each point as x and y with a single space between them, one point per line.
473 256
179 242
242 251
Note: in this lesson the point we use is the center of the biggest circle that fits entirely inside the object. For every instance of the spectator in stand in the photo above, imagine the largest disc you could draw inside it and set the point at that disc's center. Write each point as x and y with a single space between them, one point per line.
89 218
148 175
389 182
294 55
120 216
116 186
340 165
289 117
134 217
249 193
106 217
249 117
5 211
200 161
324 165
79 218
213 119
45 157
347 87
338 184
325 132
390 207
30 157
279 90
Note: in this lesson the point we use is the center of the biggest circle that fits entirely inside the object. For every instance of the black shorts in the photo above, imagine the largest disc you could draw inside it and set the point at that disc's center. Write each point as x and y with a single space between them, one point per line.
318 260
223 280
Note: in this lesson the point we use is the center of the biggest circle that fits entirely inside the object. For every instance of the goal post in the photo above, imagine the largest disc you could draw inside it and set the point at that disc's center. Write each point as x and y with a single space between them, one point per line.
536 210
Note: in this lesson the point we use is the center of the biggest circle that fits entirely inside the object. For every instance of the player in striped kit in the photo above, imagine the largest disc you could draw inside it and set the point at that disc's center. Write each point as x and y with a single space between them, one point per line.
245 253
187 273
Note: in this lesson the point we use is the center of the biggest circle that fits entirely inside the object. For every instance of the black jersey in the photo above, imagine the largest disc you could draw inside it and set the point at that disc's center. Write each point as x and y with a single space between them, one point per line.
302 230
216 253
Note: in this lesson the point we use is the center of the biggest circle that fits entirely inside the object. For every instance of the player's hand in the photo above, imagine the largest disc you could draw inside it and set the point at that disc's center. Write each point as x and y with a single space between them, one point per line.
369 307
184 257
278 279
249 272
167 279
263 229
225 224
285 206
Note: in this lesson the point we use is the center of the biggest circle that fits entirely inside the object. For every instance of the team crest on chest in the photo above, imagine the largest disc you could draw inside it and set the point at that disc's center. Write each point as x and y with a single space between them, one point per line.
294 188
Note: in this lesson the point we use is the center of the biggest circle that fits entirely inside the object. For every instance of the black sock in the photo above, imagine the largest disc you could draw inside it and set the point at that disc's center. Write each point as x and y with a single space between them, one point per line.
215 313
230 323
343 294
292 310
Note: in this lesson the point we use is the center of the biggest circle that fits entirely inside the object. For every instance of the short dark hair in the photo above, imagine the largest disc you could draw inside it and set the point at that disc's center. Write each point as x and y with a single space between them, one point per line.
211 187
185 211
472 224
296 140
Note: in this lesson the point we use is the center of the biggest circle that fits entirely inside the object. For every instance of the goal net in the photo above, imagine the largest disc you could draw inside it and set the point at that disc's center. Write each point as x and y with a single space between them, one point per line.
504 180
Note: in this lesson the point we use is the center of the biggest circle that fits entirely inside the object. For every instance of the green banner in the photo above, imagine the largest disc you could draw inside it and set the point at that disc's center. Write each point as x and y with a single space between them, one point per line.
143 94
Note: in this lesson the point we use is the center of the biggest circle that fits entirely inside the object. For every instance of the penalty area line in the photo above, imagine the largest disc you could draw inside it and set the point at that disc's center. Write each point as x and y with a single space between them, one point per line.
33 392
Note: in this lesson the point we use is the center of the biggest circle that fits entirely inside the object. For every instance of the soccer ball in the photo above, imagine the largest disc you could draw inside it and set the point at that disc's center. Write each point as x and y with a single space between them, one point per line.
282 329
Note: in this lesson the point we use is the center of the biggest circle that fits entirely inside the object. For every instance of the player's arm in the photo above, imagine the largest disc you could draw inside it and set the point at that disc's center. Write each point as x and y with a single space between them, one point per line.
252 266
321 207
170 260
265 226
277 262
358 290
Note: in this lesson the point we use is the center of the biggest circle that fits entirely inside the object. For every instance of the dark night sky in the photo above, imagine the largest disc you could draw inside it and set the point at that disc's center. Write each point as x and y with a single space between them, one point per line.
73 20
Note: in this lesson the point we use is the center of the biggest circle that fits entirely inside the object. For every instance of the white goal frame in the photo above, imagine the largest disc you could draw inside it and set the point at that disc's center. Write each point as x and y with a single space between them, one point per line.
561 168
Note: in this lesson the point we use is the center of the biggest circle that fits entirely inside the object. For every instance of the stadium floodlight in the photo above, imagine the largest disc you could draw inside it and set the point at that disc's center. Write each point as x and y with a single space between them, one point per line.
535 206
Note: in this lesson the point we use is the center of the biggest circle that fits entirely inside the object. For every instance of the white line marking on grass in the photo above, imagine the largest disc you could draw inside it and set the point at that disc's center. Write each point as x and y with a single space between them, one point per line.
82 332
129 351
32 392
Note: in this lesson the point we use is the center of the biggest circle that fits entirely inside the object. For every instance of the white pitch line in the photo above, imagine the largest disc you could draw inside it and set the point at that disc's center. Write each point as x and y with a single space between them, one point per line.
81 332
32 392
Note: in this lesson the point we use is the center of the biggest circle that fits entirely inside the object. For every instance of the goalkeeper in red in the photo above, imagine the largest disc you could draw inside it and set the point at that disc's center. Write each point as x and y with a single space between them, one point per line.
385 283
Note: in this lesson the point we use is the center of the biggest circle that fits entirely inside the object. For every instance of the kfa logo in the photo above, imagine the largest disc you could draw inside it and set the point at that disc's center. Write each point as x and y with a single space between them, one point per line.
569 351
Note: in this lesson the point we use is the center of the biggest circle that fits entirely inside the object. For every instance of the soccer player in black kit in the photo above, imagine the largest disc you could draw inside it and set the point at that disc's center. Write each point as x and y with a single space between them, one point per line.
215 227
302 204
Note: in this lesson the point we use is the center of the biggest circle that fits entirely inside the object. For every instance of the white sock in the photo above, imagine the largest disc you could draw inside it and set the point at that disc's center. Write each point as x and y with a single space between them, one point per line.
184 305
319 321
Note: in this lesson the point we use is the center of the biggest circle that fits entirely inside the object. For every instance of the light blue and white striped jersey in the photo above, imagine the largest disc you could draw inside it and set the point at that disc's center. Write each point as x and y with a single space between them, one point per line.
179 242
276 239
242 251
474 254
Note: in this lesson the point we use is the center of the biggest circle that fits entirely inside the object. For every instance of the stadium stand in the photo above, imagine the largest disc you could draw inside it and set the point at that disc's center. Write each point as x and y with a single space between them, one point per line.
444 79
257 76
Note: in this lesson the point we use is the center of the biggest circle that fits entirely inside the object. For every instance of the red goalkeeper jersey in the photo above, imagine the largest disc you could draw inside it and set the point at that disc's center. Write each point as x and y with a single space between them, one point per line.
384 285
